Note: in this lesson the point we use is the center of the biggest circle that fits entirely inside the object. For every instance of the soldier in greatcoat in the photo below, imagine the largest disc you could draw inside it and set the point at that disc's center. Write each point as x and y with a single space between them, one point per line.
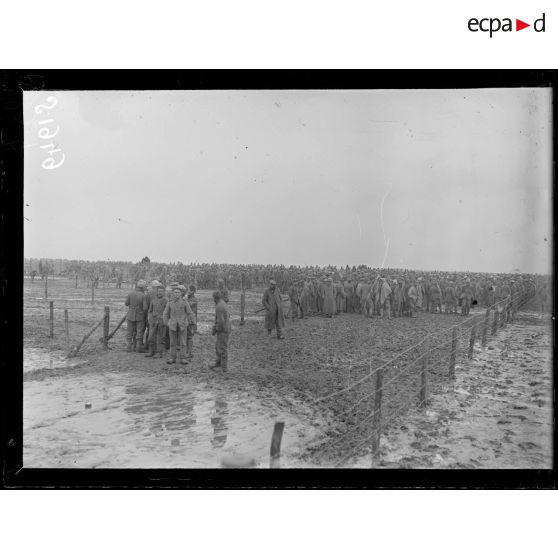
157 328
329 303
223 290
136 301
435 298
274 318
397 298
177 316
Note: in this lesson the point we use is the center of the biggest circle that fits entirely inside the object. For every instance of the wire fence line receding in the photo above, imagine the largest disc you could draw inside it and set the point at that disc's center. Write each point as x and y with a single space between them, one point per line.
476 331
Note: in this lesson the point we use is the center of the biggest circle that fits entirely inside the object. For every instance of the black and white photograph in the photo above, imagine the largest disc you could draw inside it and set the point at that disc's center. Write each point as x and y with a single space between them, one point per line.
288 279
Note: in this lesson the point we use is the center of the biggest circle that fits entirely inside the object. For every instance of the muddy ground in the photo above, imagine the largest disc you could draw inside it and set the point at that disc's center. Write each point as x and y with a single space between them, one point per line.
497 414
145 413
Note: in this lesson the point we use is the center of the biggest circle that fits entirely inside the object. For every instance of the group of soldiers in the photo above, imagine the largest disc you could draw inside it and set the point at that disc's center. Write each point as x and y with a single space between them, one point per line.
393 297
163 318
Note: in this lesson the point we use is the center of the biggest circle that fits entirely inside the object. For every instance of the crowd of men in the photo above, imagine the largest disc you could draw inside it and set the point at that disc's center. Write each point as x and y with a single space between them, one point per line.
163 317
389 296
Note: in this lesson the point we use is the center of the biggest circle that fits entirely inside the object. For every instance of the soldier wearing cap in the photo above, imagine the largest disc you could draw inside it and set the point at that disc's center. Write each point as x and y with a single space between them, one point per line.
222 329
272 303
135 318
151 295
177 316
157 328
223 290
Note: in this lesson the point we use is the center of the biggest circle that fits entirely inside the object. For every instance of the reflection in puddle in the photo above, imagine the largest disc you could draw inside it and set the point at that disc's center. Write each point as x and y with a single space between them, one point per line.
149 420
219 423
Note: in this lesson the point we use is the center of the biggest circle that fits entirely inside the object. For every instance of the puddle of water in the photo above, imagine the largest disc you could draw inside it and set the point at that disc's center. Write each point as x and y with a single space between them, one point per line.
150 420
37 359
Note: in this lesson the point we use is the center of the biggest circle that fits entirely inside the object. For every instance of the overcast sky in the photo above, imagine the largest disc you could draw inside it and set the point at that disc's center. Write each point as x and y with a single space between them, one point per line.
445 179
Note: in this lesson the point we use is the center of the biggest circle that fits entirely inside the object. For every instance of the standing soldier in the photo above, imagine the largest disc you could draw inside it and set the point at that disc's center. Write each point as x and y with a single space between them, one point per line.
384 298
177 316
192 328
329 298
223 290
363 292
312 295
397 299
435 298
467 296
222 329
304 297
156 340
137 306
272 303
320 295
151 295
349 289
412 296
340 298
450 298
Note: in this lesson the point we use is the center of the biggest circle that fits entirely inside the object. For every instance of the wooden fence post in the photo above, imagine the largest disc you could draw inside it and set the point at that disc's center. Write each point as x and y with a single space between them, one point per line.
485 327
453 352
116 328
106 327
67 329
377 417
472 339
495 321
242 306
275 450
423 397
46 287
51 304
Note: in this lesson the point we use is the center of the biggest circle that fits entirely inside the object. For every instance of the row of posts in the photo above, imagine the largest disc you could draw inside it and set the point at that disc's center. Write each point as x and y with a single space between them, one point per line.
92 290
499 320
105 320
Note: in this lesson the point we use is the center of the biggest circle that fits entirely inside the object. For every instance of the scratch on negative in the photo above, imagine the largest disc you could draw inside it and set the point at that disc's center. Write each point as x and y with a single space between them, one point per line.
386 241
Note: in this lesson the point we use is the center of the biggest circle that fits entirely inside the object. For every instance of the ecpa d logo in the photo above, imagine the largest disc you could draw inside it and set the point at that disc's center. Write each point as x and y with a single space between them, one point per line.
492 25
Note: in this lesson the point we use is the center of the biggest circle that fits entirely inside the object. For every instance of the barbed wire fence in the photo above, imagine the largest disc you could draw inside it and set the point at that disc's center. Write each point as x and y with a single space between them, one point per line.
390 390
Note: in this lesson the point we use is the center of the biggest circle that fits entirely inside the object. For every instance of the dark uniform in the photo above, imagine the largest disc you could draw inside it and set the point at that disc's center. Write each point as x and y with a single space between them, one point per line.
157 328
135 318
